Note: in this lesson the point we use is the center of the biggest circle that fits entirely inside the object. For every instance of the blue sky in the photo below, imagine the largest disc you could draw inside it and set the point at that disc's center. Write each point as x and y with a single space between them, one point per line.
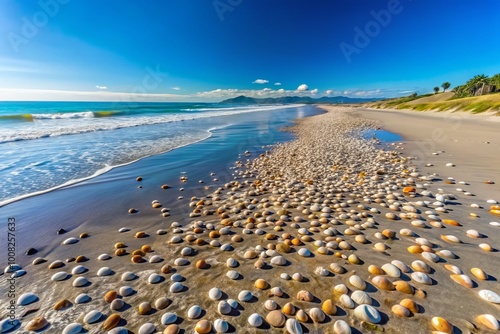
209 50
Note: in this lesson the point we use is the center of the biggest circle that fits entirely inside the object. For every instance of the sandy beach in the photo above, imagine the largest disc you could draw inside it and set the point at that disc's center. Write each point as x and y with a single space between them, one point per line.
329 233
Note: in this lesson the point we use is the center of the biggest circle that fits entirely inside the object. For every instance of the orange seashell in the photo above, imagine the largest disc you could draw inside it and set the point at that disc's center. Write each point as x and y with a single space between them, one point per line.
198 230
137 259
329 307
120 252
415 249
261 284
374 270
454 269
400 311
146 249
288 309
489 321
463 280
479 273
410 305
202 264
389 233
36 324
110 296
199 242
442 325
140 234
495 211
214 234
486 247
404 287
495 207
111 322
451 222
409 189
120 245
81 258
138 252
296 242
450 238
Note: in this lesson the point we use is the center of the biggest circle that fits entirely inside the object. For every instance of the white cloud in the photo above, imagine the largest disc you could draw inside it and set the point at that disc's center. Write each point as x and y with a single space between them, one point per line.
261 81
176 88
281 91
314 91
329 91
101 87
303 88
277 83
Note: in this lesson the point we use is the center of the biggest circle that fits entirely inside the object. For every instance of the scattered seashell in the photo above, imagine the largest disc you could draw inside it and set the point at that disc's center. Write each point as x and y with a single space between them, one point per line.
245 296
367 313
255 320
383 283
288 309
479 273
144 308
221 326
400 311
111 322
82 298
441 325
176 287
72 328
168 318
341 327
62 304
276 318
489 296
361 297
305 296
92 316
293 326
410 305
489 321
27 298
34 325
346 301
215 294
357 282
463 280
404 287
422 278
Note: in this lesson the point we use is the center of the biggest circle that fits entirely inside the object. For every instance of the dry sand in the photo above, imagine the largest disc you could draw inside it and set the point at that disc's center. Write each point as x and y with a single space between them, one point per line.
327 166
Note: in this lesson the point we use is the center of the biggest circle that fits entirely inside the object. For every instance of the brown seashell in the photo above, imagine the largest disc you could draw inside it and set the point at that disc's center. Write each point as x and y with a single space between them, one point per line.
120 245
489 321
140 234
276 318
62 304
400 311
120 252
420 293
81 258
329 307
404 287
132 210
190 238
296 242
354 259
144 308
203 327
110 296
36 324
306 238
214 234
305 296
156 205
259 264
383 283
389 233
166 269
56 264
146 249
250 255
261 284
283 248
415 249
200 242
441 325
137 259
84 235
111 322
270 236
451 222
410 305
409 190
198 230
374 270
288 309
202 264
138 252
301 316
237 238
172 329
479 273
162 303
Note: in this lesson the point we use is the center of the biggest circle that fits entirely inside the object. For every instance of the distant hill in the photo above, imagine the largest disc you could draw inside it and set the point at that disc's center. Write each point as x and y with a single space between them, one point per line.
295 99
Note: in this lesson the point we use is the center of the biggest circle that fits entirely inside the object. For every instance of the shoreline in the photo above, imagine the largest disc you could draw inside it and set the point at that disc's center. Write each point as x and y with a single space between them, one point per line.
327 190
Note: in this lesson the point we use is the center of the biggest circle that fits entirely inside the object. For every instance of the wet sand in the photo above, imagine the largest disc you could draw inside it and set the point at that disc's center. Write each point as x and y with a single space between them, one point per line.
329 189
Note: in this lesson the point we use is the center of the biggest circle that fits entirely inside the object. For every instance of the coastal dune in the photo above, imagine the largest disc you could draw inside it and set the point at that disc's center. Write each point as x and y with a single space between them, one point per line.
329 233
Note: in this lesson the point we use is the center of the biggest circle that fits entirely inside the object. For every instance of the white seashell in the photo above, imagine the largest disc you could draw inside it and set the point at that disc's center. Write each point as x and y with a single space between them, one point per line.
215 294
18 273
104 257
128 276
278 260
27 298
194 312
496 224
431 257
126 290
104 271
154 278
231 263
12 268
92 316
117 304
422 242
489 296
255 320
420 277
118 330
277 291
73 328
391 270
321 271
317 315
341 289
123 229
70 241
168 318
361 297
176 278
357 282
181 261
147 328
78 270
489 321
232 274
285 276
297 277
346 301
401 266
155 259
245 296
270 305
367 313
223 307
221 326
341 327
82 298
176 287
186 251
304 252
447 254
175 239
226 248
421 266
233 303
293 326
60 276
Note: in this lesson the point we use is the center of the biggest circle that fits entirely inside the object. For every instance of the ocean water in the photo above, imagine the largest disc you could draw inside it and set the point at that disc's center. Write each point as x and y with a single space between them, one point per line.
48 145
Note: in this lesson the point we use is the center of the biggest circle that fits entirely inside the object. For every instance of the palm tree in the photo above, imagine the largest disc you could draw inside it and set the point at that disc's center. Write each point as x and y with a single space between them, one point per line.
436 90
445 86
476 82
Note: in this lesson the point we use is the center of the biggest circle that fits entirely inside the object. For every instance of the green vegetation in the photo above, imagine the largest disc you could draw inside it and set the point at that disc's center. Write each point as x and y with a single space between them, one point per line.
436 90
478 85
445 86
